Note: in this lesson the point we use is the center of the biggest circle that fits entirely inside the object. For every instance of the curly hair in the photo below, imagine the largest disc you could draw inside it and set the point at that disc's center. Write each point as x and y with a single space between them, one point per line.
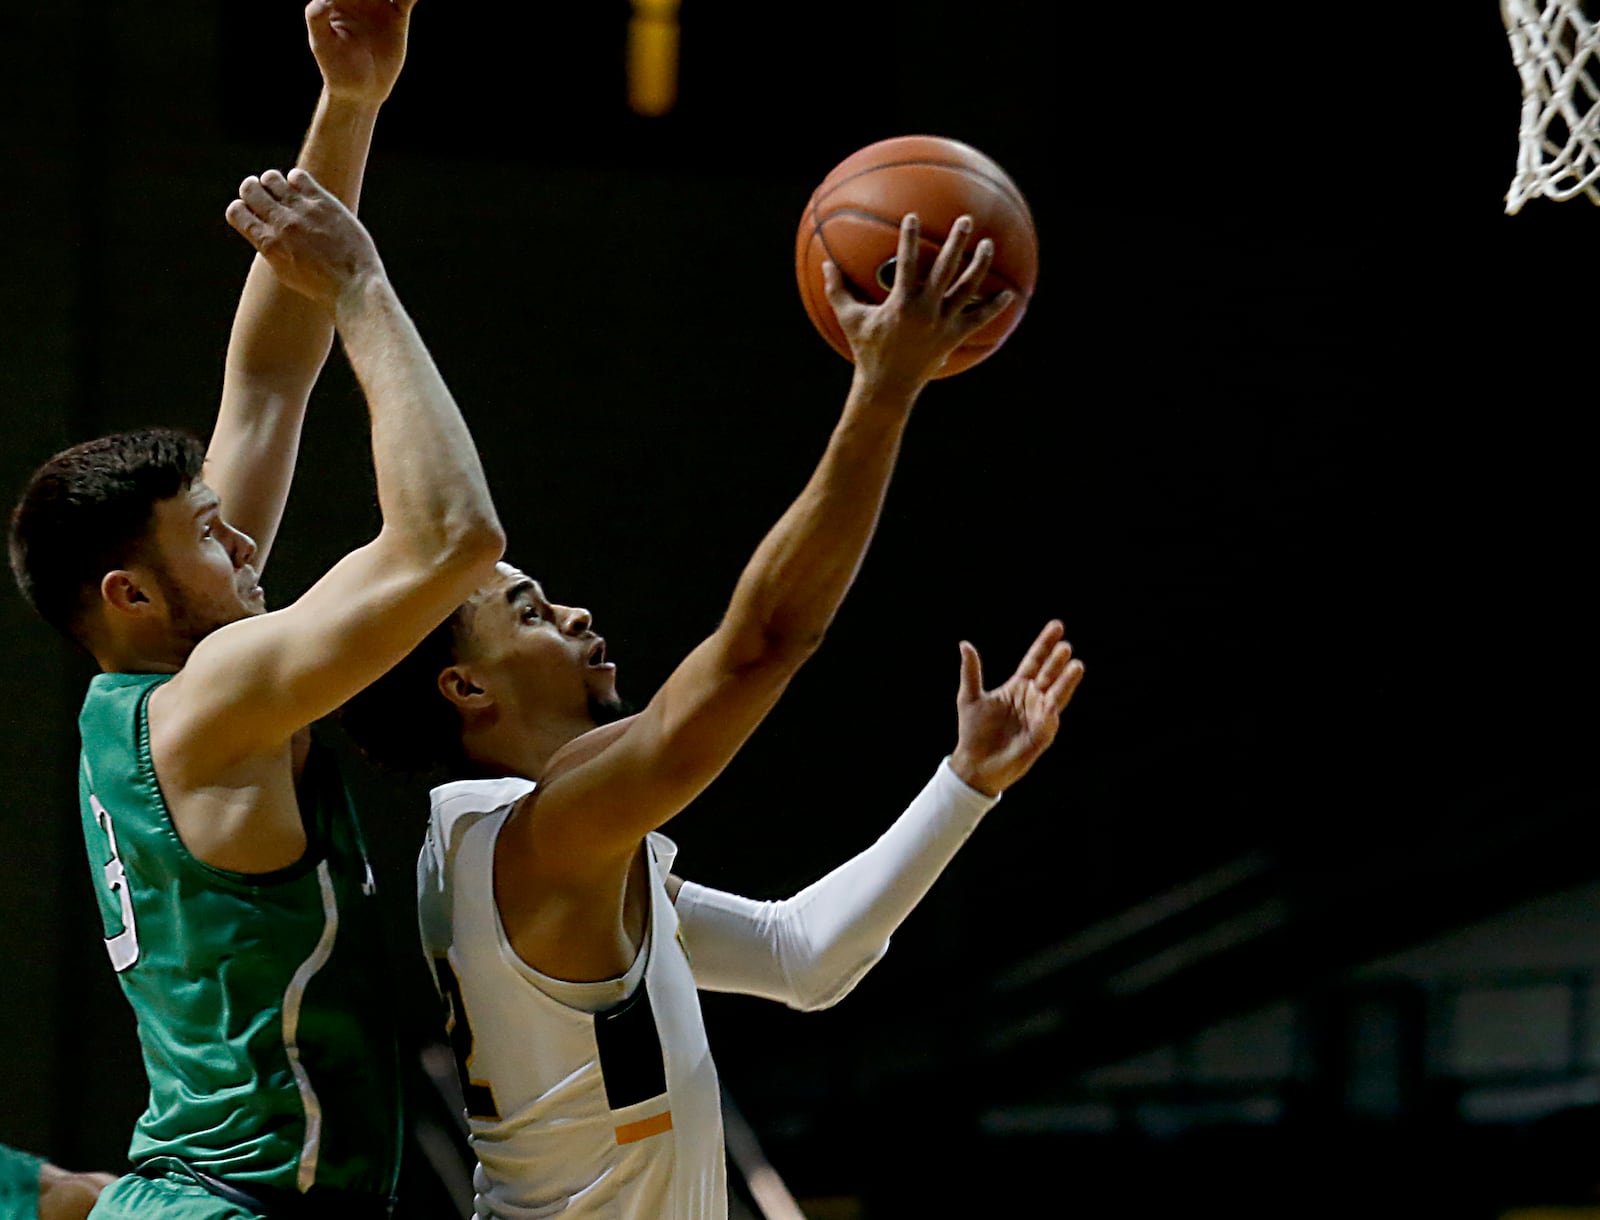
87 511
401 722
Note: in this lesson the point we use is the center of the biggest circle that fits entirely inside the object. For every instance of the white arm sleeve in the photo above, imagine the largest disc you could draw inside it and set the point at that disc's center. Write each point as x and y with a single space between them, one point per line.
809 951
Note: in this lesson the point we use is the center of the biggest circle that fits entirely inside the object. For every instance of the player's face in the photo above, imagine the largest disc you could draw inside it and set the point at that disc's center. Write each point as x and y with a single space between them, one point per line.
203 568
535 656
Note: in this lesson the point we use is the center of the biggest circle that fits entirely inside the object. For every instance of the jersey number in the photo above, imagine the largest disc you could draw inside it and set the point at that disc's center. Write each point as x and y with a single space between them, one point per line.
123 947
479 1096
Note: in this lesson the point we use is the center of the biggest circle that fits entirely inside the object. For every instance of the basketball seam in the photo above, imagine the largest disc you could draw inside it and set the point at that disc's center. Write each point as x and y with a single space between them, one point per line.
1006 189
893 224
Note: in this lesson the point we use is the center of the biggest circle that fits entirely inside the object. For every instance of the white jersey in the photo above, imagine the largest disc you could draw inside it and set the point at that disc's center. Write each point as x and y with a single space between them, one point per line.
615 1114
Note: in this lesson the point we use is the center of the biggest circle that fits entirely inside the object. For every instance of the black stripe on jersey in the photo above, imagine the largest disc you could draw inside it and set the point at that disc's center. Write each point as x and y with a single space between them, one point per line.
631 1061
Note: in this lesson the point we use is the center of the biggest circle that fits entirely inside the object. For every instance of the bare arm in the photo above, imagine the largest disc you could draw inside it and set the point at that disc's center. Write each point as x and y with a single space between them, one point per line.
249 686
64 1195
587 821
281 338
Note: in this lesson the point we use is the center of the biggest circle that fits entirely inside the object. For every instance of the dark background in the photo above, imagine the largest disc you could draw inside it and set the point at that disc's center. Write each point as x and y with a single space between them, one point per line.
1291 438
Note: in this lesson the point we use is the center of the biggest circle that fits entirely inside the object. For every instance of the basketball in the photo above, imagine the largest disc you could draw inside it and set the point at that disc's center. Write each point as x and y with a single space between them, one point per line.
853 218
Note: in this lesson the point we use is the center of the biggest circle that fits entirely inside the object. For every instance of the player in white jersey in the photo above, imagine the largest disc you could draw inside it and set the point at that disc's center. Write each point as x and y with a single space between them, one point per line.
568 953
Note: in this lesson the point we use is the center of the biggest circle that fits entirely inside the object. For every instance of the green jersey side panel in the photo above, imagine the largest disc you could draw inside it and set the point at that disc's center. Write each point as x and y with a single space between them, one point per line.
262 1004
19 1184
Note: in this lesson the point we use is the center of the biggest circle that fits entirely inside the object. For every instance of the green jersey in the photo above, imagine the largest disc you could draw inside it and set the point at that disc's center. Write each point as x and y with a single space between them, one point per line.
264 1017
19 1185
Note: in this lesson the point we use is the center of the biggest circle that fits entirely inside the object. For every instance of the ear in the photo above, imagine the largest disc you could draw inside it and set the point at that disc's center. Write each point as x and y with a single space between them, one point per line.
457 685
124 592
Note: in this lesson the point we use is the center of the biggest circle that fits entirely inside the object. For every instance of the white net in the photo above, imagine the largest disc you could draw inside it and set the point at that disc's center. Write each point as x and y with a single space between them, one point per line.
1554 45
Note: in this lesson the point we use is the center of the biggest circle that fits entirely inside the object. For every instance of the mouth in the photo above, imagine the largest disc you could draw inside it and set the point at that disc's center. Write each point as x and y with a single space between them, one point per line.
596 658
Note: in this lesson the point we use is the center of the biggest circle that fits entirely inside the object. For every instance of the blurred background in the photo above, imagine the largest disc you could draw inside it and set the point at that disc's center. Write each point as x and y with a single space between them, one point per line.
1302 911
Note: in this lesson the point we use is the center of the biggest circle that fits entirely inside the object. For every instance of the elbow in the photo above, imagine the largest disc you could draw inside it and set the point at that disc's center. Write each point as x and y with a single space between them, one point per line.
463 548
475 546
813 990
482 541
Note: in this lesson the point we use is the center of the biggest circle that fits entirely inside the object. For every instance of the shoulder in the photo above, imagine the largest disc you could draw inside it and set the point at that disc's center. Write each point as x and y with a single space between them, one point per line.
461 804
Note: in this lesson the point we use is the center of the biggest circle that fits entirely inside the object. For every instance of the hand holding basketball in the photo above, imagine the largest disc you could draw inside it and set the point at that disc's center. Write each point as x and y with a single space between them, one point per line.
852 218
905 341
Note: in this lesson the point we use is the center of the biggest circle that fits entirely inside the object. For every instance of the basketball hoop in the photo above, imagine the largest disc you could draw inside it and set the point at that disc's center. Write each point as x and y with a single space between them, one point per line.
1556 49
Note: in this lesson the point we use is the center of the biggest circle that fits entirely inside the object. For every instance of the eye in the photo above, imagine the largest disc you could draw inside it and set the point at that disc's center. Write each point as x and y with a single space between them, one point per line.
530 614
205 533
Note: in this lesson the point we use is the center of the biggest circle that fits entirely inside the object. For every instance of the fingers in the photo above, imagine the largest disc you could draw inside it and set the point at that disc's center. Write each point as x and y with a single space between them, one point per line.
905 259
1053 665
833 286
972 279
1040 649
955 245
971 674
1060 692
979 316
246 222
263 197
255 194
838 289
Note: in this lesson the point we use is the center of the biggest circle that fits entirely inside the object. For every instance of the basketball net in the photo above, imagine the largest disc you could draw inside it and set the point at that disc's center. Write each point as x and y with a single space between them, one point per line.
1554 47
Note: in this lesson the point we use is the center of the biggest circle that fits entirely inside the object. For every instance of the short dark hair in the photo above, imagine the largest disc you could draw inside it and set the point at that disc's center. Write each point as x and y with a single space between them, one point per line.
402 722
87 511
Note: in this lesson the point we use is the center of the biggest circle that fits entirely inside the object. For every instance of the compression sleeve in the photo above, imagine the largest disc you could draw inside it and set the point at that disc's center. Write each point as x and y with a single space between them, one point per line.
809 951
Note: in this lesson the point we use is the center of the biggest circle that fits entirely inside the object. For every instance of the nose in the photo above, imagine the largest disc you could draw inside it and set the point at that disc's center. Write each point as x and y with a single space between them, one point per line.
241 547
575 620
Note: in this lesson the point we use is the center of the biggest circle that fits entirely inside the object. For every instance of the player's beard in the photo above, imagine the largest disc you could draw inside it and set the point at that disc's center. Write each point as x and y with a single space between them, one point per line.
607 711
188 625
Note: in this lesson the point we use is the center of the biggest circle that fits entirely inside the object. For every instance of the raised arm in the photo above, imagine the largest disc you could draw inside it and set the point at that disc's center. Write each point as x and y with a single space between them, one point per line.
248 687
589 819
280 337
808 951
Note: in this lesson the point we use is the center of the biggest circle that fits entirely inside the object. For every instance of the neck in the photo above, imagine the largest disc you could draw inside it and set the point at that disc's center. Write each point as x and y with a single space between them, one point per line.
509 745
129 657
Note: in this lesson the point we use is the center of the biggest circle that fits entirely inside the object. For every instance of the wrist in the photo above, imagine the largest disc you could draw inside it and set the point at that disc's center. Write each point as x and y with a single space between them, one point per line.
882 391
364 291
350 106
965 768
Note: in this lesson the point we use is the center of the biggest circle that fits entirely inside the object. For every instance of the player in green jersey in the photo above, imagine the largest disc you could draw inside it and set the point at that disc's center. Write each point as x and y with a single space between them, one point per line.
233 888
31 1188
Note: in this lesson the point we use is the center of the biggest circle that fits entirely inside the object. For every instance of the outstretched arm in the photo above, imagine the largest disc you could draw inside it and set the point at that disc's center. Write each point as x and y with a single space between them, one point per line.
563 857
249 686
281 339
590 818
810 950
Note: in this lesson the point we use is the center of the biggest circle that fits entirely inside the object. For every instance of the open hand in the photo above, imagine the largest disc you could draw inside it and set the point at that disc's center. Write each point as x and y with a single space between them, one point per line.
360 45
1002 732
313 242
903 342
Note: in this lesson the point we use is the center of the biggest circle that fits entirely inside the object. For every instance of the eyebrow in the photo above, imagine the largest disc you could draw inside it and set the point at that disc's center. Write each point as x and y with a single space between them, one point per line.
209 506
519 590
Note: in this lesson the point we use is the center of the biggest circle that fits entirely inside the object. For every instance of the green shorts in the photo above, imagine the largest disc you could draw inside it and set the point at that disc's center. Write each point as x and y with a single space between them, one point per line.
135 1198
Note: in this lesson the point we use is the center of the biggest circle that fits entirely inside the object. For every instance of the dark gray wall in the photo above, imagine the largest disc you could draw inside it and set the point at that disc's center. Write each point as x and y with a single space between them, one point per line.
1287 438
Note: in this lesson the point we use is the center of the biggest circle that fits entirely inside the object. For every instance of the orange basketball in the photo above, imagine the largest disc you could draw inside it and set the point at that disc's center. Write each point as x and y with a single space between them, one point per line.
854 218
